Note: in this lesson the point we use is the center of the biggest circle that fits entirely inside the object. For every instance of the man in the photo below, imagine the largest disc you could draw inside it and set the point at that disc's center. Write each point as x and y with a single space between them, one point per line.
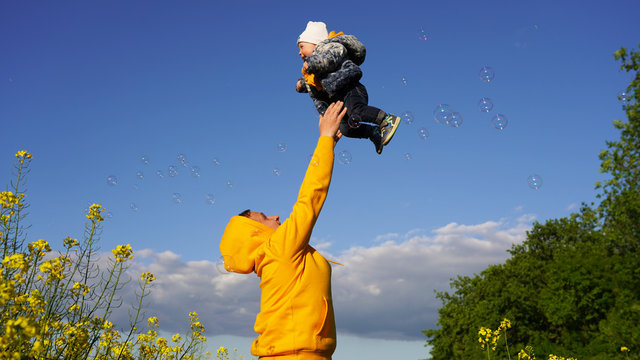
296 318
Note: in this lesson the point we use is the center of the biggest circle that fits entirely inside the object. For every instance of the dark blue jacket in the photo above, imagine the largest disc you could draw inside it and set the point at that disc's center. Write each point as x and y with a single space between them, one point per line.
334 62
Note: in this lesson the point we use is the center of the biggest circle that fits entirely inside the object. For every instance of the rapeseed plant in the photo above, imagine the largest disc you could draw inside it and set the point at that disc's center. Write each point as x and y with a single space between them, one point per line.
489 338
57 305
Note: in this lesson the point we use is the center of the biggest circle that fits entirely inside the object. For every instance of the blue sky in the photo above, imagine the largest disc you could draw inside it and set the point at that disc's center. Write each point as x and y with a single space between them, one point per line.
91 87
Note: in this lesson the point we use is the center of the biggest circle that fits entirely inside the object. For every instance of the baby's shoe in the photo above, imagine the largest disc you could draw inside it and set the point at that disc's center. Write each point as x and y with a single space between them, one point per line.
376 139
388 128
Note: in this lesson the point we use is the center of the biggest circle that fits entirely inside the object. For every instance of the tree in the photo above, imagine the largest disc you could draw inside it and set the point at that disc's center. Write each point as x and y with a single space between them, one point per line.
572 288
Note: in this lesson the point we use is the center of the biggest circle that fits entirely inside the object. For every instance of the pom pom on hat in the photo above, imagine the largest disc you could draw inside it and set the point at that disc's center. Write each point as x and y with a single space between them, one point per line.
315 32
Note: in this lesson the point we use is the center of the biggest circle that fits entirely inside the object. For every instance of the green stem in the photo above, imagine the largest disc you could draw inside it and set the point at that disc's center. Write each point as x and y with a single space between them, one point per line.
135 320
17 214
506 344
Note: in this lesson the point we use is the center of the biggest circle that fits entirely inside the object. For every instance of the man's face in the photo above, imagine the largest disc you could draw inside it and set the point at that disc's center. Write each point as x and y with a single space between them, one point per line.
271 221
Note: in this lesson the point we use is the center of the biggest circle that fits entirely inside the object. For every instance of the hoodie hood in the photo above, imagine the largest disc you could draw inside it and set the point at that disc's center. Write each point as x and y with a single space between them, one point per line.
242 239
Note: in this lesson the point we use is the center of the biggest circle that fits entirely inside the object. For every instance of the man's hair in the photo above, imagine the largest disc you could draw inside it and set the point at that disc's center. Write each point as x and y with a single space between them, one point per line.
245 213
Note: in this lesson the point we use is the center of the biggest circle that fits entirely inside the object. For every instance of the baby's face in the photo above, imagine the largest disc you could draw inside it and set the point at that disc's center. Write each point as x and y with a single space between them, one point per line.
305 49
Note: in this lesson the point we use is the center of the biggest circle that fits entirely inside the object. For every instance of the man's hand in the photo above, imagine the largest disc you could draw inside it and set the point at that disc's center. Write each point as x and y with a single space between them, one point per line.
298 86
330 121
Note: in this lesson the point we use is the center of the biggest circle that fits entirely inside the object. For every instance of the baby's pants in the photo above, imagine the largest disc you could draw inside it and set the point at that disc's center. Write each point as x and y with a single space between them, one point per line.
359 112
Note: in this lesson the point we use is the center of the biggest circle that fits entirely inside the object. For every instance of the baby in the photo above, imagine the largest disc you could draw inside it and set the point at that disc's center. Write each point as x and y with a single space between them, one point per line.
331 73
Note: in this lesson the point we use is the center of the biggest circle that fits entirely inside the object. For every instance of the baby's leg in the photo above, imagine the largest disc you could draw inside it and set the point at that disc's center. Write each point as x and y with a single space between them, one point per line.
360 131
356 100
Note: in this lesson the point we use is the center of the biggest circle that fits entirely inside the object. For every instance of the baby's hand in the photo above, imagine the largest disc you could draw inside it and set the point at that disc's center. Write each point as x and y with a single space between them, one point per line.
298 86
305 66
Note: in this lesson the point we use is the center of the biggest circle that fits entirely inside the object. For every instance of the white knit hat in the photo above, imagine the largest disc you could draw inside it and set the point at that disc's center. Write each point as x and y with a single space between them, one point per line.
315 32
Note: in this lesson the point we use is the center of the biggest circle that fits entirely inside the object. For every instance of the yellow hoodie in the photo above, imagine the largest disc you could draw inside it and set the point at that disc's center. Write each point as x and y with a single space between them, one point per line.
296 318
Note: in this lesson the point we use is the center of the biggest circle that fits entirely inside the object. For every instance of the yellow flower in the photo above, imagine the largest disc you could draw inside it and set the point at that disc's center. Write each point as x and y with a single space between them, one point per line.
95 211
505 324
17 261
8 200
222 351
70 242
193 316
23 154
153 321
161 342
624 348
39 248
147 277
36 302
176 338
522 355
123 253
55 268
77 287
74 307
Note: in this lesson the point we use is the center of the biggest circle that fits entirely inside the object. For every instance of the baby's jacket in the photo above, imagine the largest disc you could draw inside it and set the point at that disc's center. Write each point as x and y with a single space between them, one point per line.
335 64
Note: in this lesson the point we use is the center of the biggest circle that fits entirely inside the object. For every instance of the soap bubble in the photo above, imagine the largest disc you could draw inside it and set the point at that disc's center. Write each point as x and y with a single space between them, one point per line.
225 264
422 35
133 207
177 198
486 74
135 187
499 121
407 156
534 181
108 215
144 159
442 113
354 121
455 120
216 161
276 171
229 185
485 104
159 174
423 133
172 171
209 199
623 96
140 175
344 157
11 79
404 81
195 171
282 147
182 159
321 107
407 116
112 180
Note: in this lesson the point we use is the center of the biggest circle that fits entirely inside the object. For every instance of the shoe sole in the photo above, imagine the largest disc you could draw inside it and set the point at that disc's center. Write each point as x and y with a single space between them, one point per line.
392 132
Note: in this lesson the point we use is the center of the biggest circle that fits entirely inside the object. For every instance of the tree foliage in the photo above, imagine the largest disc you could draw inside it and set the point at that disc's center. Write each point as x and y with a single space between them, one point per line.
572 288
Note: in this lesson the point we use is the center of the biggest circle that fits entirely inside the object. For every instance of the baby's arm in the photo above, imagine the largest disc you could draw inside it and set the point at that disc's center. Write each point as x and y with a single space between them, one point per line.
348 74
301 85
328 58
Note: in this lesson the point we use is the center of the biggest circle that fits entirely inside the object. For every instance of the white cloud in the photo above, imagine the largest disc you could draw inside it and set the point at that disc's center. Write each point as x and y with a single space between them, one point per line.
572 206
382 291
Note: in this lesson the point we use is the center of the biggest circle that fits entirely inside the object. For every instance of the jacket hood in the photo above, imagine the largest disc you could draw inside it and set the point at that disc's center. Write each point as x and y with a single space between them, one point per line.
242 239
